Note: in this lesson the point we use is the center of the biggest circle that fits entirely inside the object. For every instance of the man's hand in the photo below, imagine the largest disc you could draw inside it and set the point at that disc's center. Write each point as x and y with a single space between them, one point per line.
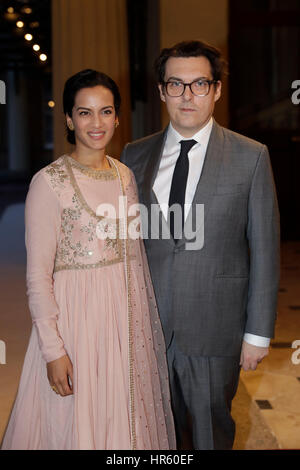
60 373
251 355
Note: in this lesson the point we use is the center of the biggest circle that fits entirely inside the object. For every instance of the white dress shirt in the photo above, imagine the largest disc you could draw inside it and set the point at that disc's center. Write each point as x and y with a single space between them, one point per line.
163 181
196 156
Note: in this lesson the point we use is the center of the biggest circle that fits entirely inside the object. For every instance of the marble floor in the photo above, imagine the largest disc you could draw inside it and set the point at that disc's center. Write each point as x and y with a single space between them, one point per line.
267 405
274 387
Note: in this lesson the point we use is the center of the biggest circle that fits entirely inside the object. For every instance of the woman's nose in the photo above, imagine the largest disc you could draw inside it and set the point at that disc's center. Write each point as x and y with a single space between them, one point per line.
97 120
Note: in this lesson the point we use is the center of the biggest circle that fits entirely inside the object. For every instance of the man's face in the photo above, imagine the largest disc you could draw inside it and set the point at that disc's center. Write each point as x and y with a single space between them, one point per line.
189 113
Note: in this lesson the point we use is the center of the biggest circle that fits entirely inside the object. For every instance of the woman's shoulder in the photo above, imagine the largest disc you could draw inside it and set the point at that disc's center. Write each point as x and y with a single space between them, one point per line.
57 168
124 169
125 172
55 174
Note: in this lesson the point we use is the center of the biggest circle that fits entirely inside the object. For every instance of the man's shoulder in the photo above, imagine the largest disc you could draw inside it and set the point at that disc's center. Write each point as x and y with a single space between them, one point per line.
145 142
135 154
240 141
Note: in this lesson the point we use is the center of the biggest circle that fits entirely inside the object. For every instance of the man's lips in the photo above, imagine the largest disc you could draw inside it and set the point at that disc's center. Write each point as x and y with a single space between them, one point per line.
187 110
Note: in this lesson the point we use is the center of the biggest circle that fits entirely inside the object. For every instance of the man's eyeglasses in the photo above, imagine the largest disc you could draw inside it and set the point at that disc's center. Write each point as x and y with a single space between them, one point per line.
198 87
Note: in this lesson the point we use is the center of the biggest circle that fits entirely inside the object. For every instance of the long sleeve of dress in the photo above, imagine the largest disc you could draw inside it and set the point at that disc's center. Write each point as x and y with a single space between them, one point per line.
42 226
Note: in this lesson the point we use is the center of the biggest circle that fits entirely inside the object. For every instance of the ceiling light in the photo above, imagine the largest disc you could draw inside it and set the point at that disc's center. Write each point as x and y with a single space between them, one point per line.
10 10
26 10
28 37
36 47
51 104
20 24
43 57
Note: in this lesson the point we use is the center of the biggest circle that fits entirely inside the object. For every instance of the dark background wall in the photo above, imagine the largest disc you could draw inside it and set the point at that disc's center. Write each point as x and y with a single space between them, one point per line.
264 61
263 49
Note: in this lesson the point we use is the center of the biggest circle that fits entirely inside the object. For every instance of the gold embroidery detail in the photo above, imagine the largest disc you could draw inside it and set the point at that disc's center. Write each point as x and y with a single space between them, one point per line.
105 175
57 173
68 252
99 264
127 258
108 230
90 229
78 192
109 242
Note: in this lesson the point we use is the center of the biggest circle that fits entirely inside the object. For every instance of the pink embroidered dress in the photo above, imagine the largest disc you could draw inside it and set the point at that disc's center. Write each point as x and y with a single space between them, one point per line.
90 296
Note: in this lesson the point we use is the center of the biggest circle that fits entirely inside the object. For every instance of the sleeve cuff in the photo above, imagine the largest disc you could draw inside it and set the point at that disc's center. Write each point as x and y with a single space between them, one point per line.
256 340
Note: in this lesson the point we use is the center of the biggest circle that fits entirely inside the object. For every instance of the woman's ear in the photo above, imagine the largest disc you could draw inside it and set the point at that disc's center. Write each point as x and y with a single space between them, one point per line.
69 123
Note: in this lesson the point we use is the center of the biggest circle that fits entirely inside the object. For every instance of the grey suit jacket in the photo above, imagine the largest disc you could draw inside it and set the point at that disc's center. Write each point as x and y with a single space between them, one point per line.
208 298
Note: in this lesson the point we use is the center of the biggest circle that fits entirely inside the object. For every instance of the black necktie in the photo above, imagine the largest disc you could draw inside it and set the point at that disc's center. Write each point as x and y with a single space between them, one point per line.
179 180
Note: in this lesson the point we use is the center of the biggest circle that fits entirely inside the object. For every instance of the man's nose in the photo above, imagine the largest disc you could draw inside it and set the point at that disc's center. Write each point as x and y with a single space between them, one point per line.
187 94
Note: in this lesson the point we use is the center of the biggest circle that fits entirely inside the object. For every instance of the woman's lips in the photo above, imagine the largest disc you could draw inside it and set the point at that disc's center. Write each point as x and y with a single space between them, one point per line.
96 135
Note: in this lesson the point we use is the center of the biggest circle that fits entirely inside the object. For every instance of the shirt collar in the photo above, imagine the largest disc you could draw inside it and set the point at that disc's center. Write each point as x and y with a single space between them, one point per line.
173 137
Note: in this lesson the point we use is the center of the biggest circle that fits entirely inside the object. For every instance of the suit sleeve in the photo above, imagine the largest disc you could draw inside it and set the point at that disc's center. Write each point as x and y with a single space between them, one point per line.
42 225
263 234
123 157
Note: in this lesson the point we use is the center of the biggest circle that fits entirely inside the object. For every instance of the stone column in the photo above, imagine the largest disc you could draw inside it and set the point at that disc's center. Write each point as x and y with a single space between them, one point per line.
90 34
207 21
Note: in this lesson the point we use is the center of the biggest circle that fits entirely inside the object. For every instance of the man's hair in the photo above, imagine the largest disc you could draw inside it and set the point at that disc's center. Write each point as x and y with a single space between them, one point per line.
87 78
190 49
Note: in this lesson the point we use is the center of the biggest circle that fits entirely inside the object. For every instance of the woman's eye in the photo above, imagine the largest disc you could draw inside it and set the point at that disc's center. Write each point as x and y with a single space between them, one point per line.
107 111
83 113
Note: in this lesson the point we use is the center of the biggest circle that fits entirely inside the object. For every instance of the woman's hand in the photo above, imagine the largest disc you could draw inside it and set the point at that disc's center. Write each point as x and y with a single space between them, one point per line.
60 375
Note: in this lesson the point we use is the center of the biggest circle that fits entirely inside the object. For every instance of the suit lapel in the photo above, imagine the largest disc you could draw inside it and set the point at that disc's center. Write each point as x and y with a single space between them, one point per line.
149 196
154 158
206 185
208 180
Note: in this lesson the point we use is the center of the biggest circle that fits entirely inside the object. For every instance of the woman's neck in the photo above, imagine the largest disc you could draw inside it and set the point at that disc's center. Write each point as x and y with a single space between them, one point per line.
95 160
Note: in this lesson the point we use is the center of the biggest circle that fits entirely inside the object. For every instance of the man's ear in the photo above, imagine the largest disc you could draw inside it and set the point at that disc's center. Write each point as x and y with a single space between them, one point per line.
162 92
218 90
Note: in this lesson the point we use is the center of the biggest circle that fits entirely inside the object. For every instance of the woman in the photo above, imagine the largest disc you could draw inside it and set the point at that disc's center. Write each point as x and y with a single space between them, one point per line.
95 375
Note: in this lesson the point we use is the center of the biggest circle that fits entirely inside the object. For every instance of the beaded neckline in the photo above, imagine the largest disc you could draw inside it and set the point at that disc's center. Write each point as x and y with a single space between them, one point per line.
106 174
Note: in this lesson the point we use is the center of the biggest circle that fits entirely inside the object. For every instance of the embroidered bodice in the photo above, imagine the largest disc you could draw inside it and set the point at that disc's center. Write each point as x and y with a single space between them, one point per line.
87 239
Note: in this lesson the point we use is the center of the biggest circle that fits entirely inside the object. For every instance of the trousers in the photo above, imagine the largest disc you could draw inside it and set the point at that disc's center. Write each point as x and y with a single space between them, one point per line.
202 390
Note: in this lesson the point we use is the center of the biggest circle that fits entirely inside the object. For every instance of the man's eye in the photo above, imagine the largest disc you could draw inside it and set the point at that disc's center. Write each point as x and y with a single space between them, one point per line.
200 83
175 84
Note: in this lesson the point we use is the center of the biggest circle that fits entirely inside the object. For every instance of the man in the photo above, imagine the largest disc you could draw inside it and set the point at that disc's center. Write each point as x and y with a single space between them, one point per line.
217 303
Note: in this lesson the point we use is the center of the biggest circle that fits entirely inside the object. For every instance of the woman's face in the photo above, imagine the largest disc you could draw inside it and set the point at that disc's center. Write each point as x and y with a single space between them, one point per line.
93 118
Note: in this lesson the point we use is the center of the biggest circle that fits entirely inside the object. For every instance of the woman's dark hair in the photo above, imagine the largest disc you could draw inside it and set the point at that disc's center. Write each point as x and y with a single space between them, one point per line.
87 79
190 49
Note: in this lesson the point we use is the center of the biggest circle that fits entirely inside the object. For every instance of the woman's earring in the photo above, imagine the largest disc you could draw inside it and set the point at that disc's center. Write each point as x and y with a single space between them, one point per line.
71 126
116 124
